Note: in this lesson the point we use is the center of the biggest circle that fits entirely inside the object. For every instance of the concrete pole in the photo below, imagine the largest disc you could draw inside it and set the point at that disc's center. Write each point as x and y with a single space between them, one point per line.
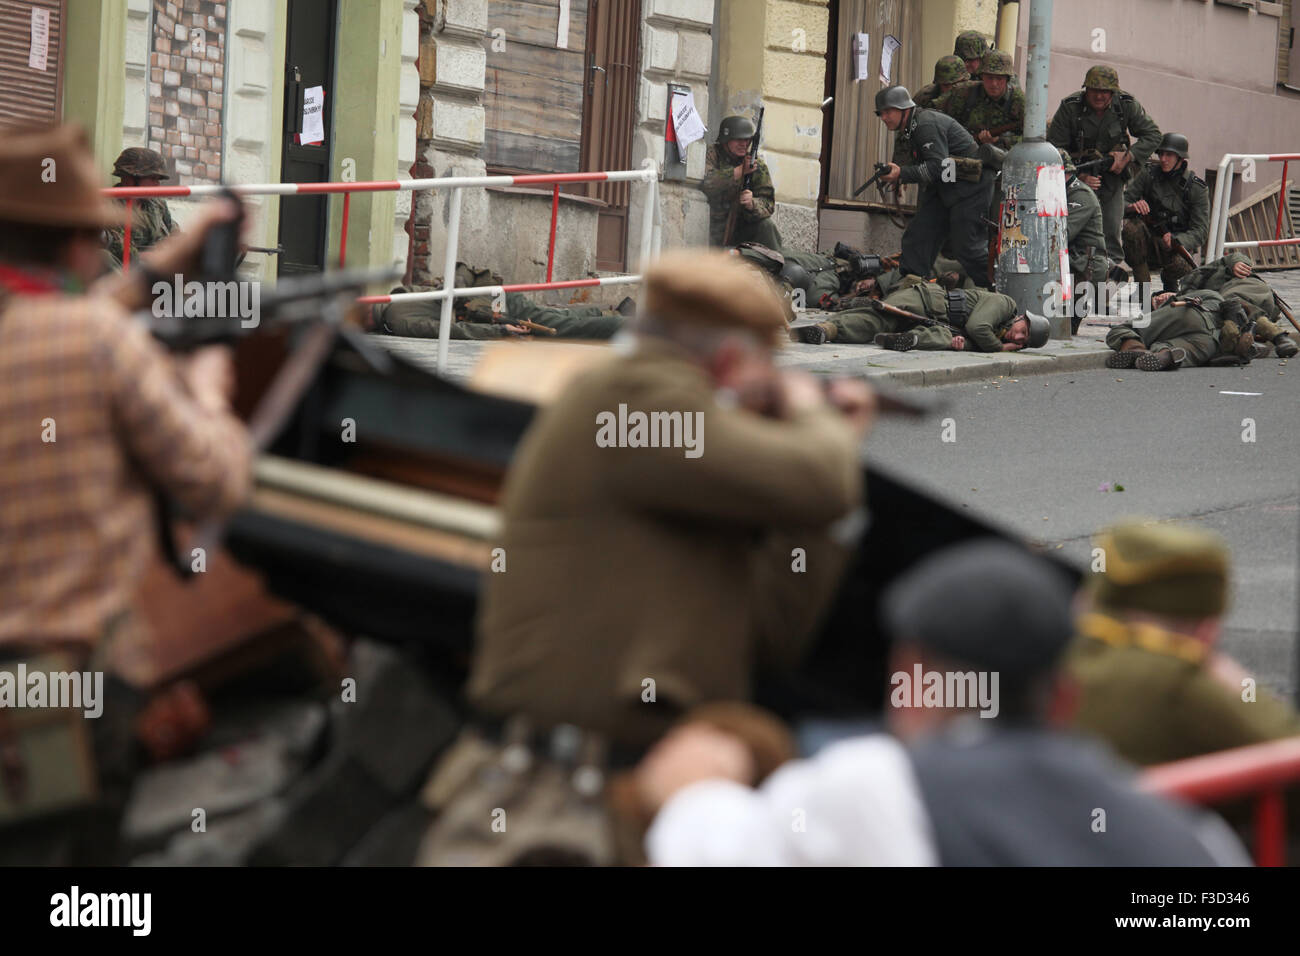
1033 265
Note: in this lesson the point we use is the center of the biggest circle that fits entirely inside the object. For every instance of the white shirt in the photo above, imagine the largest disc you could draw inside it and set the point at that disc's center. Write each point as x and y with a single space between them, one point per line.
856 803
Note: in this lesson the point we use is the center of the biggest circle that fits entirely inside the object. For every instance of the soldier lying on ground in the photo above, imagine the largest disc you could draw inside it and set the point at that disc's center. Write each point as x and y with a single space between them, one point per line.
1234 278
477 319
151 218
1180 331
963 319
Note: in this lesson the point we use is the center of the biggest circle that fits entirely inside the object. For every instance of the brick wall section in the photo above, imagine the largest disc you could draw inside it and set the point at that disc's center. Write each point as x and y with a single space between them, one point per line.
187 88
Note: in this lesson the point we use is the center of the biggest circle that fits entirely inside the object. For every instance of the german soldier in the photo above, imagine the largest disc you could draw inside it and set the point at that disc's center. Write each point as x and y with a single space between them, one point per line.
955 188
1182 331
1087 241
727 164
151 219
1097 121
948 72
988 103
974 320
1178 206
1233 278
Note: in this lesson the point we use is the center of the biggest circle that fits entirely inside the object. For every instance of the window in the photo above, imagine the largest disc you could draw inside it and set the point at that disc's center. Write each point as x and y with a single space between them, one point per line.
533 90
31 94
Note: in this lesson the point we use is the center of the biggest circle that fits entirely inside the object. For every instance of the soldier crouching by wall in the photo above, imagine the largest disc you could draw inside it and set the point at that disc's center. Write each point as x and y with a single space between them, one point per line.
726 165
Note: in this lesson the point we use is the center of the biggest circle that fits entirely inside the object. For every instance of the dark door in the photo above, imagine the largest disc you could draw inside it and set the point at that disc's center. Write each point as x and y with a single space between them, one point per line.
613 50
309 62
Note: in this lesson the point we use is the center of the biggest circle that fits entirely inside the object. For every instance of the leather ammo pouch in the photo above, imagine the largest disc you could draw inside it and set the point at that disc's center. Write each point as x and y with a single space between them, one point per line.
47 762
958 312
969 169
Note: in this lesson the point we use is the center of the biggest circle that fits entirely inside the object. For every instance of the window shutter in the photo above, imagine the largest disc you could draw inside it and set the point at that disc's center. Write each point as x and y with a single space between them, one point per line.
29 95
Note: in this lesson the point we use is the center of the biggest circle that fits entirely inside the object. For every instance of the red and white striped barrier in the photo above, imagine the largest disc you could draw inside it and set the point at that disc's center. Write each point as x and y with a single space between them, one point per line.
1223 192
650 224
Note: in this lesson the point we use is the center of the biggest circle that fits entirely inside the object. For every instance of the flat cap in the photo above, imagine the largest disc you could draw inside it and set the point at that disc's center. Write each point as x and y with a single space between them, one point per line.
986 603
710 288
1176 570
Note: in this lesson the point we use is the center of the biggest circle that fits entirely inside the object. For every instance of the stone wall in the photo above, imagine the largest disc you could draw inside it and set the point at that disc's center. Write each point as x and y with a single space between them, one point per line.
676 47
186 87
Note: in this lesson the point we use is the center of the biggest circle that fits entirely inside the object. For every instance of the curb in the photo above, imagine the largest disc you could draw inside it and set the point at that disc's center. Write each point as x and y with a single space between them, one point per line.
1037 365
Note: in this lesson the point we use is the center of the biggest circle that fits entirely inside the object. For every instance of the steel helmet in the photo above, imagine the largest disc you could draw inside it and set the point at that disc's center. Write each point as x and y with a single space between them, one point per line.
1040 330
1101 78
735 127
893 97
1173 143
140 162
950 69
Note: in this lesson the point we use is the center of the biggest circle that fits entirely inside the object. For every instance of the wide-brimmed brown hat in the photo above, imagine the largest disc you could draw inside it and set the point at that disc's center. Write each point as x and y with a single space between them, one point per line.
48 178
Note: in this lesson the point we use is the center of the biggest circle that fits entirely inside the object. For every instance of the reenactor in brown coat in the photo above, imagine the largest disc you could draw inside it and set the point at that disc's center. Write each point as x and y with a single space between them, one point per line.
1151 682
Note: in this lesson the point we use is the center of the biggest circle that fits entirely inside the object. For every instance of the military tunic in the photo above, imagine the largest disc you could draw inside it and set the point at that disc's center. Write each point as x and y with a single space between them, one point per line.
723 190
1077 129
990 314
1183 200
419 318
1084 230
946 210
970 105
1194 328
151 222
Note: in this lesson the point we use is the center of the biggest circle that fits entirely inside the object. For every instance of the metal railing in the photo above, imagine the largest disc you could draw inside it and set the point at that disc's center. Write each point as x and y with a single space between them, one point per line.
651 225
1261 771
1223 192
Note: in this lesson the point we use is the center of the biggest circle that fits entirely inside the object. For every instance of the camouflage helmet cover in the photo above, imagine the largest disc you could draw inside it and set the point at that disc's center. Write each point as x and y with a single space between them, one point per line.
997 63
950 69
735 127
1102 78
1066 161
140 162
970 45
893 97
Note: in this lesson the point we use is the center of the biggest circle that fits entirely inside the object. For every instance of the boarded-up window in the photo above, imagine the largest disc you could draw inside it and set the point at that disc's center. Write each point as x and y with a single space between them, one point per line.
31 67
533 91
858 139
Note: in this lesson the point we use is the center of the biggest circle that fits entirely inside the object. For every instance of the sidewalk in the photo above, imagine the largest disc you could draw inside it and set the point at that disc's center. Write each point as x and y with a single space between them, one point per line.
1087 350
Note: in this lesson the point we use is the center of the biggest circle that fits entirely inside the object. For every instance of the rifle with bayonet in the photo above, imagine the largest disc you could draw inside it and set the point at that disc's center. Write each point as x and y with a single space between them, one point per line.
1286 310
750 156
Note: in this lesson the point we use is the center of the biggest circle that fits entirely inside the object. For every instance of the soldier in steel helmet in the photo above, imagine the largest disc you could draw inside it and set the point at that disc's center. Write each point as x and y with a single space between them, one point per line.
151 219
948 71
990 109
1085 235
727 164
1098 121
971 320
1166 204
955 187
1233 278
970 47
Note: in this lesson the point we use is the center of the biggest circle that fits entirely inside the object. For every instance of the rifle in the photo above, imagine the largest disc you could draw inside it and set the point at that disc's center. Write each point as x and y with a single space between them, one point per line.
919 319
881 169
1094 167
751 153
997 131
499 319
1286 310
1158 223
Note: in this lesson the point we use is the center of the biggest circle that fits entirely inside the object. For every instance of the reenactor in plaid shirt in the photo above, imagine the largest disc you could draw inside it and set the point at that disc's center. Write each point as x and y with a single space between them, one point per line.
95 418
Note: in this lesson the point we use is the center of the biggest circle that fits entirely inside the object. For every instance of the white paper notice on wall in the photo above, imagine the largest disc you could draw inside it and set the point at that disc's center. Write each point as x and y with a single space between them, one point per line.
861 56
1067 278
887 51
1050 191
313 115
687 125
562 32
40 48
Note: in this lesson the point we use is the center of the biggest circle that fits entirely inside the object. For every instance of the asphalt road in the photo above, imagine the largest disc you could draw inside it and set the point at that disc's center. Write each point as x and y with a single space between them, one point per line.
1032 455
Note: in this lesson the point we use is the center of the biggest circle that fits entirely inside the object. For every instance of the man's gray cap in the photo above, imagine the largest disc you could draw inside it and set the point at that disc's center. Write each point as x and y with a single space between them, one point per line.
985 603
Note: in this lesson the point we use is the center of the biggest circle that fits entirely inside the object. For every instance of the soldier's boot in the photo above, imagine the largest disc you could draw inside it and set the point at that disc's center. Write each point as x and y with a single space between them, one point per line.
897 341
1141 273
1285 346
1166 360
845 251
627 307
1245 347
1126 359
819 333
